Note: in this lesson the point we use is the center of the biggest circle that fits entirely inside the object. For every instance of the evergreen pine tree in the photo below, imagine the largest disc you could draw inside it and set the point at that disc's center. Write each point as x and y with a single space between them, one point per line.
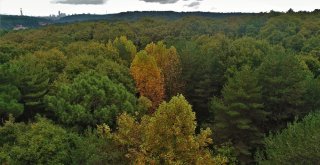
239 114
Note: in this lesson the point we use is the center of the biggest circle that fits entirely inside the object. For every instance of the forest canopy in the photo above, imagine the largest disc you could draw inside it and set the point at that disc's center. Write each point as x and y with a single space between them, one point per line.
242 89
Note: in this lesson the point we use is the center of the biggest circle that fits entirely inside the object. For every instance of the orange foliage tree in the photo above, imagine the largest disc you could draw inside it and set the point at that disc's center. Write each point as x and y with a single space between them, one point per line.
169 63
148 77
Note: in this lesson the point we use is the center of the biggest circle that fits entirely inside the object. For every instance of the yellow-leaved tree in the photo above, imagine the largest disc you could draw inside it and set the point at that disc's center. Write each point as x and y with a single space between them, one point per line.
169 62
148 78
166 137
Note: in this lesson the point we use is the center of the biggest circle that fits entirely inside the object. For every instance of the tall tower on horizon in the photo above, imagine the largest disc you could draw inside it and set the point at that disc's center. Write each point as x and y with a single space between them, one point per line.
21 13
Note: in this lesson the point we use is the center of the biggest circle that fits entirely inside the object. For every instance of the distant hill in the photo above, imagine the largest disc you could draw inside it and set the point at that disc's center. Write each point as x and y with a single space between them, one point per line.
10 21
136 15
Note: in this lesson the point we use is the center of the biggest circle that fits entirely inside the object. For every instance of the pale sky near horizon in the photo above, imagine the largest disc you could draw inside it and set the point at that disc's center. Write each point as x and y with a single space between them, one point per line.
47 7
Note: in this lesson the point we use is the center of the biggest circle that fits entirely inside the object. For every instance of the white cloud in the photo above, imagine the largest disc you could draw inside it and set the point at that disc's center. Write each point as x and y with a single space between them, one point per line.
81 2
161 1
193 4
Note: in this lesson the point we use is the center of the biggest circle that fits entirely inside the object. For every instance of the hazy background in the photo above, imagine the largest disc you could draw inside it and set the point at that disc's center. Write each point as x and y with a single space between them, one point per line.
47 7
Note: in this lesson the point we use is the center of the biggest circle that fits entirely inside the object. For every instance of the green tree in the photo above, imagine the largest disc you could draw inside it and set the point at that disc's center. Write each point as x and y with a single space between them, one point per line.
90 99
94 148
9 52
36 143
127 50
312 45
239 114
279 29
91 48
9 101
297 144
204 66
283 79
80 64
312 95
246 51
118 73
312 62
54 60
31 77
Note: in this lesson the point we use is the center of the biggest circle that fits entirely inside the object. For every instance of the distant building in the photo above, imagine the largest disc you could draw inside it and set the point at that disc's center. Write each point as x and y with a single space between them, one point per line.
20 27
56 17
43 23
21 13
60 15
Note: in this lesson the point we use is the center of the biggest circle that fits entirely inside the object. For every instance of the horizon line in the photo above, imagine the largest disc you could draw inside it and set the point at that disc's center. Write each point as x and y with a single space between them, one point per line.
169 11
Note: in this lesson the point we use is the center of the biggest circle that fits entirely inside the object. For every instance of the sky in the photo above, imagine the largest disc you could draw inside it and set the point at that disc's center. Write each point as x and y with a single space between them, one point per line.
47 7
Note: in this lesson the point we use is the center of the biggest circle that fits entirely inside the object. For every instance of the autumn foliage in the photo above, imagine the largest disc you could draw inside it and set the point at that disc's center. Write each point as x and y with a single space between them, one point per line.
148 77
169 63
167 137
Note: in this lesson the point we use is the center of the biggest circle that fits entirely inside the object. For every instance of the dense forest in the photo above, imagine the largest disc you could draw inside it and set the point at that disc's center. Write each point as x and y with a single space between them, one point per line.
241 89
10 21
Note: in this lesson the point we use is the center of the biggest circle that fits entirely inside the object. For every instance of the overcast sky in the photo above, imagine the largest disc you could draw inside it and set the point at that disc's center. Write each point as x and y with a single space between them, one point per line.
47 7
